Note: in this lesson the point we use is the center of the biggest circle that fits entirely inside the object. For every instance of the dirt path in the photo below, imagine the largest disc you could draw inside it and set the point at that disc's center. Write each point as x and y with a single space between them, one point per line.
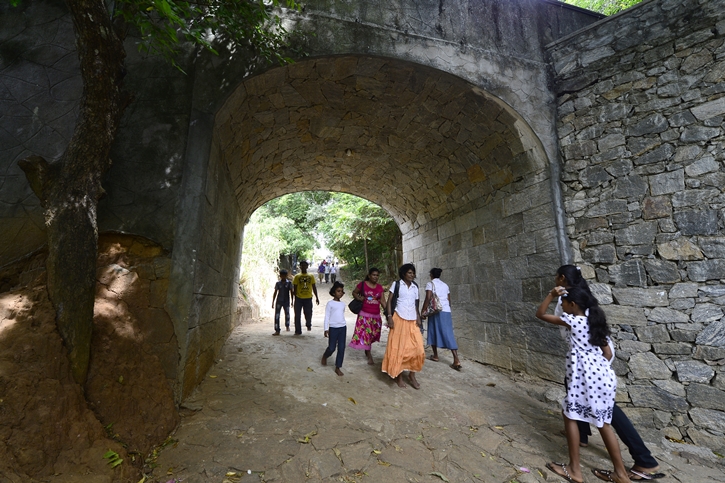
268 411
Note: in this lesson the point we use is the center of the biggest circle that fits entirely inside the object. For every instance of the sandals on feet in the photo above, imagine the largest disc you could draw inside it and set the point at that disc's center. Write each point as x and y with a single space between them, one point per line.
566 474
637 475
604 475
434 359
456 367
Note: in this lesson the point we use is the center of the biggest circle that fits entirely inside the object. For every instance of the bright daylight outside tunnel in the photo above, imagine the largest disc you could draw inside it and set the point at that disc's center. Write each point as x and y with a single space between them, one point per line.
341 230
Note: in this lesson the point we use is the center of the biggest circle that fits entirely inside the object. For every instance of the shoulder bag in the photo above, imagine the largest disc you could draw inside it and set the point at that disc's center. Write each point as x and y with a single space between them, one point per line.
434 304
355 305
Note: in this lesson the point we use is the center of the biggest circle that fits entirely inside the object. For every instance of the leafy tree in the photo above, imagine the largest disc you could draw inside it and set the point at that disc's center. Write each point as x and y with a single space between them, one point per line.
263 245
361 233
606 7
69 187
306 209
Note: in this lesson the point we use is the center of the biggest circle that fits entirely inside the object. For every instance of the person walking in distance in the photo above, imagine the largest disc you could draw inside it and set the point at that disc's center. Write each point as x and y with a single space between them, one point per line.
281 300
303 287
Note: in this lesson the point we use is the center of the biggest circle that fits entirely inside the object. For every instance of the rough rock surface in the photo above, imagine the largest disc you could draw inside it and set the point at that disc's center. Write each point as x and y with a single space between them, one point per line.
47 426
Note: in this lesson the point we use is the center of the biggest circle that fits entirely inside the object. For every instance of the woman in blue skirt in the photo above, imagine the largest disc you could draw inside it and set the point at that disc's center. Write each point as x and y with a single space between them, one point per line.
440 325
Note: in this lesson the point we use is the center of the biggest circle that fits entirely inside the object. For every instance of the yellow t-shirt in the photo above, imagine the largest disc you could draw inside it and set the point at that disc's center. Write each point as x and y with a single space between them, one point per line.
303 283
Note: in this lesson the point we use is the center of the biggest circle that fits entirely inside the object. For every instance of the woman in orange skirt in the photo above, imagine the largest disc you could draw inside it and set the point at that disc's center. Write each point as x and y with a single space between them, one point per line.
405 350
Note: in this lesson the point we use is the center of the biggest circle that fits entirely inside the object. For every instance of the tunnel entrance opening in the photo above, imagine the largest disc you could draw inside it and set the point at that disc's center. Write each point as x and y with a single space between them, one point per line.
344 230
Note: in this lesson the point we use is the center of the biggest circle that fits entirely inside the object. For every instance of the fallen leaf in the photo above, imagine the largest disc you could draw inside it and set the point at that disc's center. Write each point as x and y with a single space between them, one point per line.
483 454
524 470
352 400
383 463
377 451
307 437
309 369
498 427
435 473
213 377
338 454
491 384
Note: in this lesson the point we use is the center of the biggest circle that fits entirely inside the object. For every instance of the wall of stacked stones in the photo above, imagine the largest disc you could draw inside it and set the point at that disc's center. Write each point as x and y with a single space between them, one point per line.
498 255
641 104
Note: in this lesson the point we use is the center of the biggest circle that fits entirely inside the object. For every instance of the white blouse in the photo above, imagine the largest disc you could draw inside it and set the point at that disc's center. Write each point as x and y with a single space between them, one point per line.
407 297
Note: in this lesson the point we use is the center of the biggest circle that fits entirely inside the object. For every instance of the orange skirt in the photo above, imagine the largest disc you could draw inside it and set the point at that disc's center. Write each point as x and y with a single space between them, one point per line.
405 350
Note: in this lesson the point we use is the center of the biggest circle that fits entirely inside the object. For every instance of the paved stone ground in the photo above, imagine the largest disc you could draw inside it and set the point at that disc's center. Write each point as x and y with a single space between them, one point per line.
268 411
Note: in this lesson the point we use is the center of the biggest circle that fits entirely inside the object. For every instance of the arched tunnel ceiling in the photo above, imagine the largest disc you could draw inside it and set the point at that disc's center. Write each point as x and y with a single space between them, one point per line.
417 141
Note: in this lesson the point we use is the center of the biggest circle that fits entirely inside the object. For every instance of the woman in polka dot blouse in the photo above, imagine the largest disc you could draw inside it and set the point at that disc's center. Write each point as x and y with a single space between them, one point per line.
590 381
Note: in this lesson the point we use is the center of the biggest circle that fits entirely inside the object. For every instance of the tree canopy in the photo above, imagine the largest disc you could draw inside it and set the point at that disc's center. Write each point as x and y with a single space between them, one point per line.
351 227
606 7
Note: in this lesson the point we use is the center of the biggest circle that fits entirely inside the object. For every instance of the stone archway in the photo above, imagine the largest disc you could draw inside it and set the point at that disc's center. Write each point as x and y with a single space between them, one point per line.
464 177
417 141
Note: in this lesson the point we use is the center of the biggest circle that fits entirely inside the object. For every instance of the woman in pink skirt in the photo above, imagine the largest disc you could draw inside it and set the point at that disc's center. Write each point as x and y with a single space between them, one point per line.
369 323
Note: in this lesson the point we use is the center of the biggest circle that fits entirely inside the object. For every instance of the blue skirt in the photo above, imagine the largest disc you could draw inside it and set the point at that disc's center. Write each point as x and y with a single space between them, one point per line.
440 331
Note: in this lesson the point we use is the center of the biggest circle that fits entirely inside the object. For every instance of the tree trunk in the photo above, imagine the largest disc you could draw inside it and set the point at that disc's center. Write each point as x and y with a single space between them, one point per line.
365 245
69 188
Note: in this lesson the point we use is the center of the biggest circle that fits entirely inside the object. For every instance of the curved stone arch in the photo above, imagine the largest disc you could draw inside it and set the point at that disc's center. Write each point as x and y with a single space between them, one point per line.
436 141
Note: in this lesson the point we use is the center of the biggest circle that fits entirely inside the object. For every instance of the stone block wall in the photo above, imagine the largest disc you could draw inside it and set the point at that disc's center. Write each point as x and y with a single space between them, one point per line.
641 104
215 272
498 255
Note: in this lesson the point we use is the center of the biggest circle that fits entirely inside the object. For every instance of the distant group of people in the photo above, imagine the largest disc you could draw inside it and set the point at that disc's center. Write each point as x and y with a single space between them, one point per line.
590 381
327 271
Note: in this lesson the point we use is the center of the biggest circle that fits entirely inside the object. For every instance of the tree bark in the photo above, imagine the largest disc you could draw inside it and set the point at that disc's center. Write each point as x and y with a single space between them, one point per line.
365 247
69 188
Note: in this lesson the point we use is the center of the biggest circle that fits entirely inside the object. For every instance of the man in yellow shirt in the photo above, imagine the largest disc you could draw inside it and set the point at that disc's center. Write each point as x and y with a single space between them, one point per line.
303 286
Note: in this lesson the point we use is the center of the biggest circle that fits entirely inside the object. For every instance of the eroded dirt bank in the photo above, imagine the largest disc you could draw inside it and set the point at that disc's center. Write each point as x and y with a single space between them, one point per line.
51 429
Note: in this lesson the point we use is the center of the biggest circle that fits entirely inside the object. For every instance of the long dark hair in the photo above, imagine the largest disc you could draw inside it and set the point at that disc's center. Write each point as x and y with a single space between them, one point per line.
598 328
404 269
573 276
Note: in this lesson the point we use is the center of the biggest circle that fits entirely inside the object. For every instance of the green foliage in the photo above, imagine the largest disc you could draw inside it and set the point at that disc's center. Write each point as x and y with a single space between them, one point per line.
164 23
606 7
305 210
354 223
292 224
113 458
263 245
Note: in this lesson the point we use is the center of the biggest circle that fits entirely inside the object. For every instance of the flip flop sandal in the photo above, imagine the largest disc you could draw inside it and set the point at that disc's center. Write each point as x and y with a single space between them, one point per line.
566 474
636 475
604 475
456 367
434 359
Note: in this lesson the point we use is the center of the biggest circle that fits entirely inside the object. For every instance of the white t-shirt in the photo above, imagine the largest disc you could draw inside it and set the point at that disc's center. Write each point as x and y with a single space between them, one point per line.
442 291
407 296
335 314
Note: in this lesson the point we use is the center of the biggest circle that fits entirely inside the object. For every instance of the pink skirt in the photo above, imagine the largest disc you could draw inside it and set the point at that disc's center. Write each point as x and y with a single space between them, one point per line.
367 331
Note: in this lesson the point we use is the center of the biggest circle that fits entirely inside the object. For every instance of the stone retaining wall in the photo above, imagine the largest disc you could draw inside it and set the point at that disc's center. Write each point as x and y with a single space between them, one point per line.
641 101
